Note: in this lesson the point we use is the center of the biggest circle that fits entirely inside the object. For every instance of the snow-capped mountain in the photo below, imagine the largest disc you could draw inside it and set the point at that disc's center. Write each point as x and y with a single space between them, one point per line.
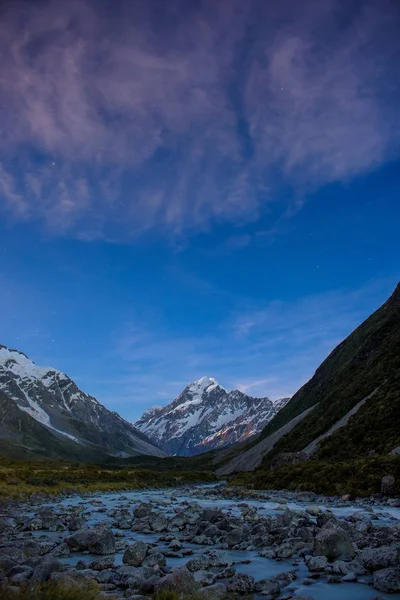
43 409
206 416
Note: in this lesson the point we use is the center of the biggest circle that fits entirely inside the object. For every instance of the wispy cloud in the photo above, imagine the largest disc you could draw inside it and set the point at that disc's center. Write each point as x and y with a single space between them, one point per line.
273 355
114 122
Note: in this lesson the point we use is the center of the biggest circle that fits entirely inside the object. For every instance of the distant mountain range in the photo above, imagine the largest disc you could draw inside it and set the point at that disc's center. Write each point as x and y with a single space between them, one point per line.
206 416
43 412
349 409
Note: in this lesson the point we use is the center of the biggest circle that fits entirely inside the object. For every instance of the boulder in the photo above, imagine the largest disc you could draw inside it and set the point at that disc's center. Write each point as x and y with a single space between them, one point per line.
219 558
306 497
316 563
135 554
198 563
333 542
268 587
241 583
180 581
387 485
102 564
144 509
156 560
45 568
97 541
374 559
234 537
387 580
158 523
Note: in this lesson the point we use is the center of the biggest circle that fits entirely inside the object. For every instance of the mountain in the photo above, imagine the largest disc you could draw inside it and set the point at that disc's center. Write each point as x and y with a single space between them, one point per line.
349 409
42 411
206 416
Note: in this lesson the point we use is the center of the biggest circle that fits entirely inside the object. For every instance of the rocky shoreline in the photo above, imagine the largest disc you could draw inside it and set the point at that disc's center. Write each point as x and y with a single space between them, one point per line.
205 540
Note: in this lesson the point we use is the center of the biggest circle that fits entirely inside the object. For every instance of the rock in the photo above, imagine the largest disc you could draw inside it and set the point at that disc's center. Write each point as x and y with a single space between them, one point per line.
374 559
198 563
180 581
102 564
387 485
61 550
286 550
226 573
133 576
268 587
234 537
333 542
76 523
316 563
306 497
45 568
158 523
140 524
218 558
217 591
97 541
339 567
204 577
135 554
387 580
144 509
156 560
241 583
314 511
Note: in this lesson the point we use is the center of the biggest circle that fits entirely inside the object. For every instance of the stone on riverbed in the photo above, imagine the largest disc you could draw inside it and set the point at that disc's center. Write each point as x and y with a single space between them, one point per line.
316 563
135 554
97 541
374 559
242 583
198 563
387 580
180 581
333 542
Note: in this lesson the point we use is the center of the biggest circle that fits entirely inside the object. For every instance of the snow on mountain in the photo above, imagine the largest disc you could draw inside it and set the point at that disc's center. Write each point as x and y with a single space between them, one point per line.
54 401
206 416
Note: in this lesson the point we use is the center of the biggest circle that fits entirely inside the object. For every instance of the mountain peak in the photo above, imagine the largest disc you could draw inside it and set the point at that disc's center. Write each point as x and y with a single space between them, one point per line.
205 384
206 416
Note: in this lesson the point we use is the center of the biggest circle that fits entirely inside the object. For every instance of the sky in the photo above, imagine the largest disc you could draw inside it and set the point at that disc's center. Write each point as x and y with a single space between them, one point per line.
191 187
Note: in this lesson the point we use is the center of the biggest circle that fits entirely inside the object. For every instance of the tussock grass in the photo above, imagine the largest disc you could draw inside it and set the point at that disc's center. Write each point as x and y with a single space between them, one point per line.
19 477
53 591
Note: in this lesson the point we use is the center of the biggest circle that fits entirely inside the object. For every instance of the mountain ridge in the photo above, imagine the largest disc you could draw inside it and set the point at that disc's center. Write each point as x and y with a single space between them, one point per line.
206 416
55 403
349 408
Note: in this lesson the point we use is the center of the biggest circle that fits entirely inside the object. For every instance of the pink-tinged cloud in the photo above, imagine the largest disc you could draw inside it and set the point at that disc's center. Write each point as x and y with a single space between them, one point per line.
93 94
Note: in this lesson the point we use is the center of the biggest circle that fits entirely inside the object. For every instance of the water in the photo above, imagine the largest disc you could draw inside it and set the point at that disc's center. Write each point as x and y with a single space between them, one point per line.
258 567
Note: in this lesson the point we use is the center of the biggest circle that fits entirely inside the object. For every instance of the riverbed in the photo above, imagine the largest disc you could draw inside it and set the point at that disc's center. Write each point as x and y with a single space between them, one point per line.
174 525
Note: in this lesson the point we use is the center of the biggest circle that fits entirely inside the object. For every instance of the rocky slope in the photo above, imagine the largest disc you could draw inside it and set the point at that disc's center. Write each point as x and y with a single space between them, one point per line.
42 411
350 408
206 416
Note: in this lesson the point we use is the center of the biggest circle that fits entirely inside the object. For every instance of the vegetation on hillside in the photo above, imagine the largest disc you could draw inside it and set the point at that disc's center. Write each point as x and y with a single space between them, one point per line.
359 477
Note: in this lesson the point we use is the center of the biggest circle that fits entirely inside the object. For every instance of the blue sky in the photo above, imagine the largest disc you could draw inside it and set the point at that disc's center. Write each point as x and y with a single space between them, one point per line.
195 188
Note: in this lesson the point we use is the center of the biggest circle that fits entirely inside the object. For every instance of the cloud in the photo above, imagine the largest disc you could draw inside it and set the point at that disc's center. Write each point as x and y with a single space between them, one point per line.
276 352
120 118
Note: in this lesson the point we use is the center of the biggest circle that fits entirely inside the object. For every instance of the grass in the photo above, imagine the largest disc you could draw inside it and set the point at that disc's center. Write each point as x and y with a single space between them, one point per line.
20 477
53 591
